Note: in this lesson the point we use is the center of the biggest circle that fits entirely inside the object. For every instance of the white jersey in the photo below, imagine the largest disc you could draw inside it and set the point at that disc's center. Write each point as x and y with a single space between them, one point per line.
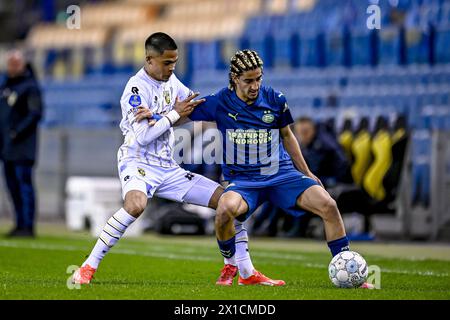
159 97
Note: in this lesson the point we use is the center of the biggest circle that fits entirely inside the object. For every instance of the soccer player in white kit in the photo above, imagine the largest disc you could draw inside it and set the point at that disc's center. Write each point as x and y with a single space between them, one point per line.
145 163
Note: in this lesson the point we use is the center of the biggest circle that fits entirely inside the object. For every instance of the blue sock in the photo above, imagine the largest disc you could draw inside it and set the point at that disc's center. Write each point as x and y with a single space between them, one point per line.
227 247
339 245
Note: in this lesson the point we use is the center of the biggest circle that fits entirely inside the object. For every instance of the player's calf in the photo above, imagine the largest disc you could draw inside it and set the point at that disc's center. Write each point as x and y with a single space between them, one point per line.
227 210
135 202
224 225
317 200
113 230
225 234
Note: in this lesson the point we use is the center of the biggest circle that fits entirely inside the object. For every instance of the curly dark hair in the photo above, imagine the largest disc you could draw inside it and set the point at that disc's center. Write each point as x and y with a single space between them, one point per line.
242 61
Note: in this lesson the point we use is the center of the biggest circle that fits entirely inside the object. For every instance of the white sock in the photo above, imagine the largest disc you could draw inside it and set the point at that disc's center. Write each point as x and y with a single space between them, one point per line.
242 255
231 260
111 233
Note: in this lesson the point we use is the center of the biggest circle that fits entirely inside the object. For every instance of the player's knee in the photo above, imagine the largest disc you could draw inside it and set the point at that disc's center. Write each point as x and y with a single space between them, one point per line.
134 208
135 205
228 209
225 213
330 208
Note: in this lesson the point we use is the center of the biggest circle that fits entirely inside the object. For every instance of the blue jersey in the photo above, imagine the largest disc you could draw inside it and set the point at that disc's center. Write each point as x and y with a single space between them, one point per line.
252 146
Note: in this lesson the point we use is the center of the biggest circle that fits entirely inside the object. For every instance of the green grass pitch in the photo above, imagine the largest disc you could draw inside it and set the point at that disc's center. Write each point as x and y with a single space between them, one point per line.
156 267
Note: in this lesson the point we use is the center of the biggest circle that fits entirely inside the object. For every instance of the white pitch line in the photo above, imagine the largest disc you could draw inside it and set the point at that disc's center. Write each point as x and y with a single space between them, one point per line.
409 272
175 256
41 246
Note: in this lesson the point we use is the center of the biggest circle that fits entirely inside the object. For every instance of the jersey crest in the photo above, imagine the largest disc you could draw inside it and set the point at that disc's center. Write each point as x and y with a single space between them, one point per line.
166 96
141 172
135 100
268 117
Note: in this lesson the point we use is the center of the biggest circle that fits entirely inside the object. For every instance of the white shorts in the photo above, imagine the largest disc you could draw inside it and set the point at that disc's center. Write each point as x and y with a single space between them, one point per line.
174 184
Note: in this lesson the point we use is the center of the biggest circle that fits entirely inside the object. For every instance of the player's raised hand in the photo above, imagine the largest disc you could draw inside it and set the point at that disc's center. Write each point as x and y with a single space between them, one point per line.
144 113
185 107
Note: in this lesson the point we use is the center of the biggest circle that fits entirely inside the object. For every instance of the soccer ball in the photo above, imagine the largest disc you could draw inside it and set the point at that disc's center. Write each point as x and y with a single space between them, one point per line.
348 269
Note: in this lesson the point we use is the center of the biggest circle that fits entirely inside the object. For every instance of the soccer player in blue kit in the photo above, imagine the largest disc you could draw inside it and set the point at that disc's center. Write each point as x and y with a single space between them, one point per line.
262 161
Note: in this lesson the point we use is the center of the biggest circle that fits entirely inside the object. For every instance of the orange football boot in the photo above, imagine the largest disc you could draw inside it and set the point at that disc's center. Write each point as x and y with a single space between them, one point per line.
227 275
367 285
83 275
258 278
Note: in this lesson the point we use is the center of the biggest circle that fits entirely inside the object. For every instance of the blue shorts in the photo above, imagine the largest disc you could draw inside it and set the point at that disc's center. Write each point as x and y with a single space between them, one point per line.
283 193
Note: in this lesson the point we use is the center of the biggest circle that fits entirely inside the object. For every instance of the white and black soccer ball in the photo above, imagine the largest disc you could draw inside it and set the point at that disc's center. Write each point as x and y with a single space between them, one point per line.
348 269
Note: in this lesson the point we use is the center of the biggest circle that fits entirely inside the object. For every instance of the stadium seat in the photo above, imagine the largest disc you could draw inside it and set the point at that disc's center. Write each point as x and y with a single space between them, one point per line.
381 146
346 138
334 48
205 54
441 43
360 48
421 151
309 55
389 46
398 89
361 152
400 139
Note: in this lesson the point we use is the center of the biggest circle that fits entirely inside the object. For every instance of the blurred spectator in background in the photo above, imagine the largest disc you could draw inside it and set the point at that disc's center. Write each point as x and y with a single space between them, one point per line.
322 152
327 161
20 112
324 156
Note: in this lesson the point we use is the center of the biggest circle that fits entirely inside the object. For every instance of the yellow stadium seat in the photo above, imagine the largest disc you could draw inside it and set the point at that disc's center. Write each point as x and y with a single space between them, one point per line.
77 63
59 69
382 151
398 135
346 140
361 155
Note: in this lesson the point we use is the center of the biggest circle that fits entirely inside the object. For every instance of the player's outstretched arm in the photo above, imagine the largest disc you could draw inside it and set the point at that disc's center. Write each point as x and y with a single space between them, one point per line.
292 147
191 104
186 106
148 132
146 113
182 121
207 109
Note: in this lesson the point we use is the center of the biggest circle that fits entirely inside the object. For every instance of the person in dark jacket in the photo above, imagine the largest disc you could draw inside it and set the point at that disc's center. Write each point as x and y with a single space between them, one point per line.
322 152
20 113
325 158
